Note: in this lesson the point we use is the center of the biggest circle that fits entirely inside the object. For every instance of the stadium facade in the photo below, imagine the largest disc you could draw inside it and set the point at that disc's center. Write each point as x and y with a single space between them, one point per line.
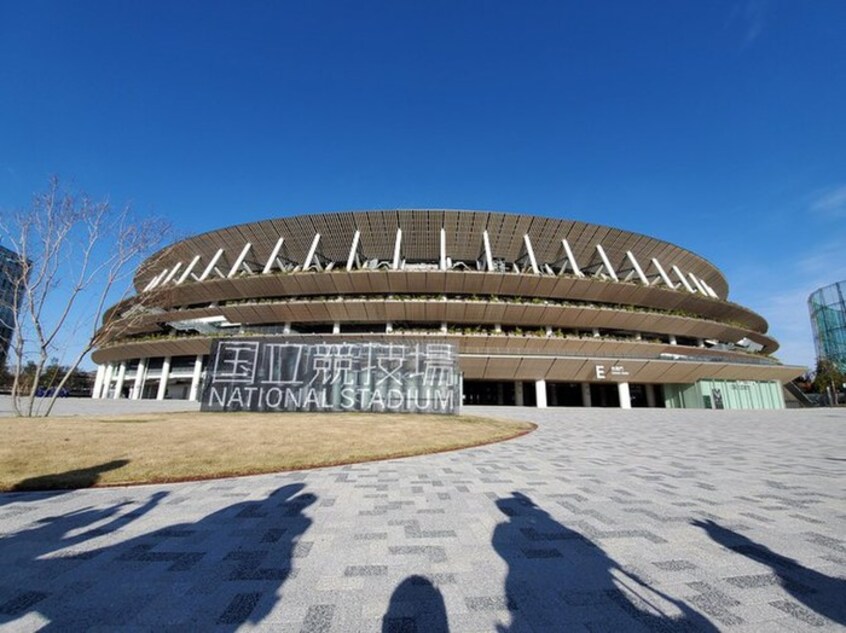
541 311
828 321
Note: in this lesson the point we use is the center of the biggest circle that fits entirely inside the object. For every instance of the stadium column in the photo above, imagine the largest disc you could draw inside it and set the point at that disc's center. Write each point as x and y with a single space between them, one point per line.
160 394
107 381
540 393
518 393
98 382
121 377
586 402
625 396
195 378
138 385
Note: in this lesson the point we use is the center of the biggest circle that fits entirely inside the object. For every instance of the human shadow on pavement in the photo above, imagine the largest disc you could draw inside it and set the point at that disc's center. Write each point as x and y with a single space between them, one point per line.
559 579
826 595
221 571
416 606
69 480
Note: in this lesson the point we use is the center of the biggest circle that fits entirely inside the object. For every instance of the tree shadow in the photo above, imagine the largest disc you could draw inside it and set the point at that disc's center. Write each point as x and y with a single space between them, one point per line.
69 480
221 571
559 579
826 595
47 486
416 606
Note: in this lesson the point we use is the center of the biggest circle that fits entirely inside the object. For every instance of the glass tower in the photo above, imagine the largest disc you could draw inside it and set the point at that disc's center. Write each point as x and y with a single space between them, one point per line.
828 319
10 272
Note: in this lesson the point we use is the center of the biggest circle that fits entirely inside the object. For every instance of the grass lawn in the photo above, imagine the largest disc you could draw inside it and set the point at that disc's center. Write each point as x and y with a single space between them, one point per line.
42 454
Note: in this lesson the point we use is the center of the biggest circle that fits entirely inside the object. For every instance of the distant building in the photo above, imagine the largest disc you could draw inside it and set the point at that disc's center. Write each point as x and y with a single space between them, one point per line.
540 312
828 320
10 271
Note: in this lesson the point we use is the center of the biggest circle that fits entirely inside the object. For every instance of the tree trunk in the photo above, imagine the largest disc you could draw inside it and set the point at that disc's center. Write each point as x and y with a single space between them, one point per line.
67 375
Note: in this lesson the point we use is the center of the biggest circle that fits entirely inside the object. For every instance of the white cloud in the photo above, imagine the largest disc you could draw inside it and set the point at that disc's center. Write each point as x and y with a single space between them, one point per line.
754 12
751 17
831 202
790 325
780 295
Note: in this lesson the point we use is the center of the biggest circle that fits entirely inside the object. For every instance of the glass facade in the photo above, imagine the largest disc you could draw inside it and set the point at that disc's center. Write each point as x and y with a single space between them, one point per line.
725 394
828 320
10 272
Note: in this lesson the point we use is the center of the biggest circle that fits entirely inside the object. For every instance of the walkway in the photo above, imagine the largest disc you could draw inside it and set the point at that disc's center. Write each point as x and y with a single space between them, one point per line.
602 520
89 406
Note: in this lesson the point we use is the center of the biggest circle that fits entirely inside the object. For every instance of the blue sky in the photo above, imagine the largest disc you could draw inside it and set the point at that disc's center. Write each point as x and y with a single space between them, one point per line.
719 126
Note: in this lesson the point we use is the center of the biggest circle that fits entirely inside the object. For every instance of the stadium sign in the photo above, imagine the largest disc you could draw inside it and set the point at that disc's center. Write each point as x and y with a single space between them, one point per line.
283 375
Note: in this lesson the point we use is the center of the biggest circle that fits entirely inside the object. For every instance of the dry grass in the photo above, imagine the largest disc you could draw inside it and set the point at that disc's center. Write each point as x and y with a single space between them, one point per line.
81 452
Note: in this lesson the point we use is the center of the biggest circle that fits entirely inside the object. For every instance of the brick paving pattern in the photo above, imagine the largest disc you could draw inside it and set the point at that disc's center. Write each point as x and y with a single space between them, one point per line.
601 520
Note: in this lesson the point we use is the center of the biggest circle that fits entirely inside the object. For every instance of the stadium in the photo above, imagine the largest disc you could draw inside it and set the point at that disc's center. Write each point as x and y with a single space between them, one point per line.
536 311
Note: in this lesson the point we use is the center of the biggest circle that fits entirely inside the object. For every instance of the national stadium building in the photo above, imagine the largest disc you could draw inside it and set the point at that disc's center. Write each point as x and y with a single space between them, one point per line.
537 311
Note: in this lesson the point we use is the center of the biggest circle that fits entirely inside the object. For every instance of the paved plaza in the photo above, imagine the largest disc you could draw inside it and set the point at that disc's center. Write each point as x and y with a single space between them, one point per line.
601 520
89 406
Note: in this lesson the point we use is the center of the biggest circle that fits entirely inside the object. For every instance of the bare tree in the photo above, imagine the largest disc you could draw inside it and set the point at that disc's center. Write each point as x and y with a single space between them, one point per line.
76 255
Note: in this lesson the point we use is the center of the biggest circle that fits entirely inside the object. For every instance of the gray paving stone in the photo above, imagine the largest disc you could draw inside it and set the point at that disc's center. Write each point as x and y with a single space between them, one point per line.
799 612
366 570
674 565
601 520
239 608
318 618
